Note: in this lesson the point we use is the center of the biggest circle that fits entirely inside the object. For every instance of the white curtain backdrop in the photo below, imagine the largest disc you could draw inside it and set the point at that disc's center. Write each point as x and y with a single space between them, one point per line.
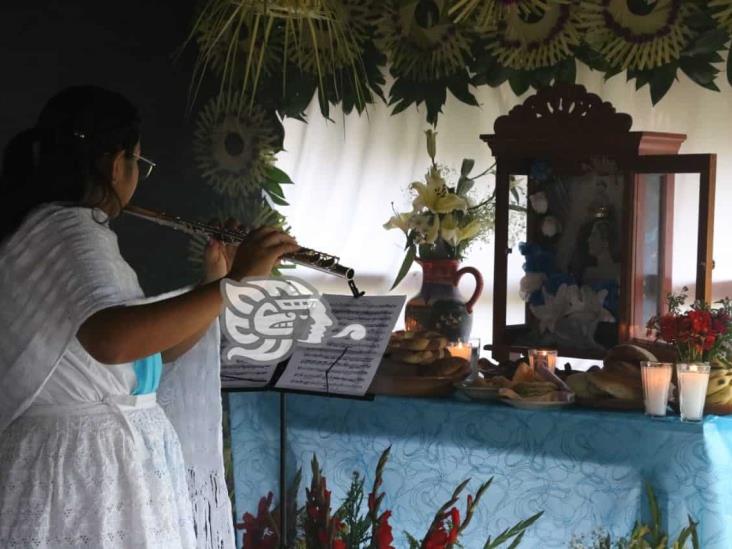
349 171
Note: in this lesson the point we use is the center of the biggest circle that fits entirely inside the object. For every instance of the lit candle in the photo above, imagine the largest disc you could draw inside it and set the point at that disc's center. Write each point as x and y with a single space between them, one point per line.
693 380
656 382
460 349
543 357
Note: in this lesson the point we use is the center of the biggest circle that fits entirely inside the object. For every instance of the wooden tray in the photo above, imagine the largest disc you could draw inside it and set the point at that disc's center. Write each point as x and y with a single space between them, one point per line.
400 379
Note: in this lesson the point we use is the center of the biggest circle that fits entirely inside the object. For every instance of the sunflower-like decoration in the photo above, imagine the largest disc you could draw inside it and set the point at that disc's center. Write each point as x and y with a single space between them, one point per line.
428 54
532 39
421 40
249 212
234 146
722 12
487 14
638 34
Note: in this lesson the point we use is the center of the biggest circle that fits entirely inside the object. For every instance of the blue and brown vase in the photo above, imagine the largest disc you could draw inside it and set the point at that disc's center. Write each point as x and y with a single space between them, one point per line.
439 306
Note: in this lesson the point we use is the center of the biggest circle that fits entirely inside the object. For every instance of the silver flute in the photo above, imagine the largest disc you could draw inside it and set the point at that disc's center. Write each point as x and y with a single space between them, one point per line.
304 256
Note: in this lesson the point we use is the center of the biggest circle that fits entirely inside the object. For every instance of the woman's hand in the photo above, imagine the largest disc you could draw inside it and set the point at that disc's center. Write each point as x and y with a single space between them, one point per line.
219 257
260 252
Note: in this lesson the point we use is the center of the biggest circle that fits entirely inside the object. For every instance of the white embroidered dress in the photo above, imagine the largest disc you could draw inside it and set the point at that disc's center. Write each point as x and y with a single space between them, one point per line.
83 463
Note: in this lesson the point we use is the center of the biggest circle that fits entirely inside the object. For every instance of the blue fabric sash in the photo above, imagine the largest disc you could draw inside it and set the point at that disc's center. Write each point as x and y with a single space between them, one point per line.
148 371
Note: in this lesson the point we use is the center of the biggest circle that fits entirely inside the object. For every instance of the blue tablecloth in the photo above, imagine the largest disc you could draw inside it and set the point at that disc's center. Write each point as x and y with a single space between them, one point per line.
584 469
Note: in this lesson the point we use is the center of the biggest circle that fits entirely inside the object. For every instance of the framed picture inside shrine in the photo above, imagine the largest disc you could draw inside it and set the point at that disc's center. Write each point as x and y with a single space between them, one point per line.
614 221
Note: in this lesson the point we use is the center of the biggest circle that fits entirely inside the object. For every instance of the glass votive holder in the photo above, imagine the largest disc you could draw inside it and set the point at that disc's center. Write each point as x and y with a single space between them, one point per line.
656 378
460 349
543 357
693 380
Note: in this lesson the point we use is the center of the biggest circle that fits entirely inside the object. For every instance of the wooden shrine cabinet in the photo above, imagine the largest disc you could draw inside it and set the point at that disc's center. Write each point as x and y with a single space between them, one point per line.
613 220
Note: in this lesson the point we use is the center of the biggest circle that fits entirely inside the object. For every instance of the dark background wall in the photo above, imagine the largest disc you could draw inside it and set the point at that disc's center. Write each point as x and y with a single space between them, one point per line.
128 47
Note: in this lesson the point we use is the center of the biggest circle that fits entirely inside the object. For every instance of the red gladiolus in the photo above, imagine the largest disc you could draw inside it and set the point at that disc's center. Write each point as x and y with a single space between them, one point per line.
455 526
384 535
258 533
437 539
339 544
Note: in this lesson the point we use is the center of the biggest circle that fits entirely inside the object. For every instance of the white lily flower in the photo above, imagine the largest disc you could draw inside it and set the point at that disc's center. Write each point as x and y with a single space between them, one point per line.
435 195
399 221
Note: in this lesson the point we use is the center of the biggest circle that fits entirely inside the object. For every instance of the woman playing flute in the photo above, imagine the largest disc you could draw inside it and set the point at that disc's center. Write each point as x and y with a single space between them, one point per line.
87 456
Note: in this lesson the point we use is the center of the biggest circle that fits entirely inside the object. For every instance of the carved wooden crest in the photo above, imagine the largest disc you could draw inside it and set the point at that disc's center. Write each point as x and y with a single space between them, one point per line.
562 109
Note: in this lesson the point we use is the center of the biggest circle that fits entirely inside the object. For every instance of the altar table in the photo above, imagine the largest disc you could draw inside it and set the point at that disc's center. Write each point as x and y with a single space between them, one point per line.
585 469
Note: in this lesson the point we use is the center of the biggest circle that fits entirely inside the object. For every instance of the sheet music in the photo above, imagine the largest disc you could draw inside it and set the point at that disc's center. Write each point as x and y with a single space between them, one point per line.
241 374
343 365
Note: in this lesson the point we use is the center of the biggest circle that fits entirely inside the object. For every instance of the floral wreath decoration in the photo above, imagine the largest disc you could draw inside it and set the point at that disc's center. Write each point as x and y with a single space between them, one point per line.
428 52
234 146
652 41
530 47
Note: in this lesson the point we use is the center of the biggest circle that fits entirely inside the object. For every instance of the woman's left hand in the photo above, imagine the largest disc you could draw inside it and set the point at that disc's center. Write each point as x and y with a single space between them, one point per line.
218 257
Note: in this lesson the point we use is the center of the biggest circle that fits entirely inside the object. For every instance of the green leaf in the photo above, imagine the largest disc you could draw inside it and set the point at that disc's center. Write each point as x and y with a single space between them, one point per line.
516 530
519 82
278 176
567 71
708 42
404 269
699 71
467 166
661 81
458 86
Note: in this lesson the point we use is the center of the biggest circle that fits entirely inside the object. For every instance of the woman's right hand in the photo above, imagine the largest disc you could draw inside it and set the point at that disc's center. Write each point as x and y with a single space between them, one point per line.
258 254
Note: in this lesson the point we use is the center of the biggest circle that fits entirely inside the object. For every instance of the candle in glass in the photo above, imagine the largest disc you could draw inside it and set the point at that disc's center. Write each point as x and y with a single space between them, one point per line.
656 382
693 380
543 357
460 349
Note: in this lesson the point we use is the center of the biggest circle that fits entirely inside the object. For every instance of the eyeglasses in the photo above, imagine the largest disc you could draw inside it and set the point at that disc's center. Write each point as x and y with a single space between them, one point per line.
144 166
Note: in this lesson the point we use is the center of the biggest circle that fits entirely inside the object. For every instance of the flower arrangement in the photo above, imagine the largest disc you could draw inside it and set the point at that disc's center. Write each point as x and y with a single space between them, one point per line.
348 528
700 333
445 219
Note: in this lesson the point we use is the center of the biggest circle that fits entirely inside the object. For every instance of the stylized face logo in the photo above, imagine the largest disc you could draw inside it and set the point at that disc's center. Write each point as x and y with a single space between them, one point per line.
265 317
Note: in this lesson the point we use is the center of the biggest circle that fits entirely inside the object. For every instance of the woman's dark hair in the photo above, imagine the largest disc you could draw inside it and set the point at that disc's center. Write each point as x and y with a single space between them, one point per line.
57 159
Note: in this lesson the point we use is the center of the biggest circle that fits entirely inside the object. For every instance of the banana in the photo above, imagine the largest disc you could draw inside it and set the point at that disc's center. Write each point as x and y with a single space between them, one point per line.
720 397
719 383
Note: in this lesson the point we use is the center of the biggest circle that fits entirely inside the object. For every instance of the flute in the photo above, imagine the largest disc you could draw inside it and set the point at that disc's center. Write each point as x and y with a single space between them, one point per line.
304 256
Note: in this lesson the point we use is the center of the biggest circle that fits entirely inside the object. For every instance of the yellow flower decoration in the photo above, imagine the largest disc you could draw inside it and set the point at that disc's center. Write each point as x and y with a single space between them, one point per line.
435 196
421 41
427 226
527 40
722 11
487 14
233 147
399 221
632 34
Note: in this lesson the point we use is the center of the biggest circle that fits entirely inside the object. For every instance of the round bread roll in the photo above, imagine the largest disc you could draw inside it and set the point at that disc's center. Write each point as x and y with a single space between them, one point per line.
420 357
417 341
582 387
629 353
622 368
618 386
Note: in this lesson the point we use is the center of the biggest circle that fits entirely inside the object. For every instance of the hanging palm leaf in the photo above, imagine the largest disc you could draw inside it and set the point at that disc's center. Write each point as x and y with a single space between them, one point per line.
527 40
311 28
639 34
353 74
487 14
234 146
428 54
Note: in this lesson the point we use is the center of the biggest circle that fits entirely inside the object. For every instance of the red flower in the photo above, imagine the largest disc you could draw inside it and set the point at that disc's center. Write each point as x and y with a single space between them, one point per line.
700 321
455 525
339 544
383 534
668 328
437 539
709 342
258 533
